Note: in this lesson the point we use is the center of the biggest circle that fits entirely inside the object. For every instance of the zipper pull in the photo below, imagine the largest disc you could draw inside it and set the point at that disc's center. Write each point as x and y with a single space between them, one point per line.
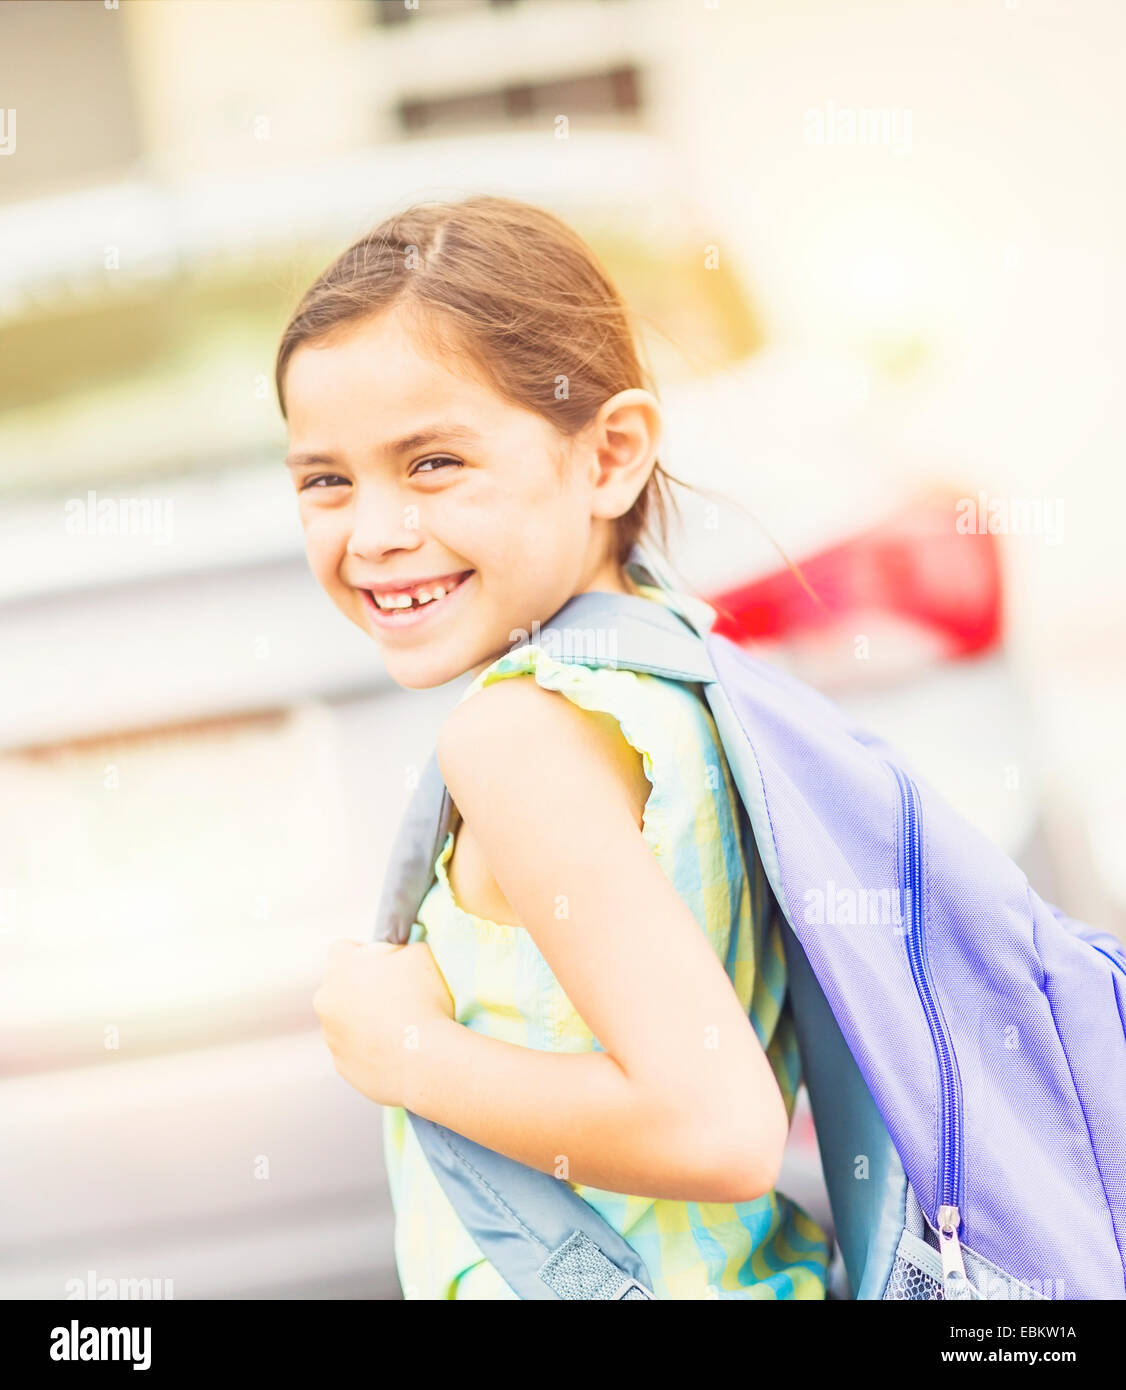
956 1286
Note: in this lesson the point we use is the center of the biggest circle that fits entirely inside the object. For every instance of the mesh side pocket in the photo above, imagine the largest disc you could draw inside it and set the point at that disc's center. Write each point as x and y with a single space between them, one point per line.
908 1281
917 1272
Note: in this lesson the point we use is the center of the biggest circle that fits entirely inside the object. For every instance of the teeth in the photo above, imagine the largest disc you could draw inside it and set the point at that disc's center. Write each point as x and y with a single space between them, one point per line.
399 601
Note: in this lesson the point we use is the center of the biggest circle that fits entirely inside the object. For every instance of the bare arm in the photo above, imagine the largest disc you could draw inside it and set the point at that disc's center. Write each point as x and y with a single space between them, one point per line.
576 1116
683 1102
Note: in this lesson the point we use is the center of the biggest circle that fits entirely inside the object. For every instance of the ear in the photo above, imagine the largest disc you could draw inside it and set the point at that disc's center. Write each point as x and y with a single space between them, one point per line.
623 440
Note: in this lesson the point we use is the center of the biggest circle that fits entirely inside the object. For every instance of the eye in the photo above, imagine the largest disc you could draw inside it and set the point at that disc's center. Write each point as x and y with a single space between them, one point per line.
438 459
323 480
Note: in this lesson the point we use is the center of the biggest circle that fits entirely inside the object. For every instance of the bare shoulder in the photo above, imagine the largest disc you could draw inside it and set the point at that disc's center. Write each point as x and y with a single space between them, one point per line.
514 730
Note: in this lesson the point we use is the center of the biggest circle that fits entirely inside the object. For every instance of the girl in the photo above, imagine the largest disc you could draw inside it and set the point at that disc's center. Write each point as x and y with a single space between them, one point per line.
471 446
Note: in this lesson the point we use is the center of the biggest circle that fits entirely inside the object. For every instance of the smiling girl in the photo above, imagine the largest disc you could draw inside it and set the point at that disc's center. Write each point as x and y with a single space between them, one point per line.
472 446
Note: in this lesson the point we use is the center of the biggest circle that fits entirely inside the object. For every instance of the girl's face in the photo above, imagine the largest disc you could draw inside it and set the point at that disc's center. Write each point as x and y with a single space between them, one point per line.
414 480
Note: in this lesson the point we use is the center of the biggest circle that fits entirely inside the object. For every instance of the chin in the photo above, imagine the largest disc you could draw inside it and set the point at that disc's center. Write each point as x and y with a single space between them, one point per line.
422 673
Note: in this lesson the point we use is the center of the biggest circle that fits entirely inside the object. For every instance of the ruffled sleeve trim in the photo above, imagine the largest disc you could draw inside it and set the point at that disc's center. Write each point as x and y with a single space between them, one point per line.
604 690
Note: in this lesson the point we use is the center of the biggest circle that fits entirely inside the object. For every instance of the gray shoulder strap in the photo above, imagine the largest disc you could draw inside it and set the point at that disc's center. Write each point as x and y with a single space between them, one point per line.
543 1239
410 867
604 629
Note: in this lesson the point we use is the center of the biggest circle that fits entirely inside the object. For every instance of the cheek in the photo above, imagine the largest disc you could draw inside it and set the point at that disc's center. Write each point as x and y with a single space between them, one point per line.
513 517
482 526
325 540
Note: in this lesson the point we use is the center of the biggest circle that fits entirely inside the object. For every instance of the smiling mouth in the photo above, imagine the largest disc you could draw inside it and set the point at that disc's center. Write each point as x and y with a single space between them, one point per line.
394 605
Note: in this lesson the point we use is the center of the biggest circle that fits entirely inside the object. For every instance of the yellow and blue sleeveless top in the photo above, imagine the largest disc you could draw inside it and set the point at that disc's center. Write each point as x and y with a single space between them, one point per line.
502 986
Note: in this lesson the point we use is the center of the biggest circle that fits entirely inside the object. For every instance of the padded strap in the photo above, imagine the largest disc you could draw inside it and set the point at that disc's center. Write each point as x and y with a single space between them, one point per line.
541 1236
622 630
410 867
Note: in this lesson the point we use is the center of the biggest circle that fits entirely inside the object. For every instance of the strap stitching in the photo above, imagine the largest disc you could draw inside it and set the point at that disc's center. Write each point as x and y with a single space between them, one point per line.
445 1135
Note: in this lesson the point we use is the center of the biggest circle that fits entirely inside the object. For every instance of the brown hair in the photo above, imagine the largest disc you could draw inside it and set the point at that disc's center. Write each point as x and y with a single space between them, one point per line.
517 292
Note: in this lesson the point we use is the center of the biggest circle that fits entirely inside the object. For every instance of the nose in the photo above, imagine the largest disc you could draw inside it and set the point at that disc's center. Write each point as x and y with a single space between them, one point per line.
382 521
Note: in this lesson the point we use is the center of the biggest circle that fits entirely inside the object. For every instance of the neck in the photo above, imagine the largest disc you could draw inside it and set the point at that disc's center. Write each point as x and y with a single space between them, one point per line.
610 578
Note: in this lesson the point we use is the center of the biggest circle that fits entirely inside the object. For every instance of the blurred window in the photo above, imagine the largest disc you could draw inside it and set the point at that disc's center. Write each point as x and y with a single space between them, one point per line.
391 12
66 74
395 12
616 91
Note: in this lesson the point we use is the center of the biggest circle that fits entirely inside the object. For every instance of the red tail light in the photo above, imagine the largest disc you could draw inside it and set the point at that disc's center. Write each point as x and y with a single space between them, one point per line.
915 566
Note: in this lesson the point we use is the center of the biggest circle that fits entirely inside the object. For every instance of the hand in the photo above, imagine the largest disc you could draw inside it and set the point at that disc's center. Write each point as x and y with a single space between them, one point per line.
375 1004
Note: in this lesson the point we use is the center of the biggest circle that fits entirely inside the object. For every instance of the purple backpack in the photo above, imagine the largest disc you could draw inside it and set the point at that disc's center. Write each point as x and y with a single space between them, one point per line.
963 1043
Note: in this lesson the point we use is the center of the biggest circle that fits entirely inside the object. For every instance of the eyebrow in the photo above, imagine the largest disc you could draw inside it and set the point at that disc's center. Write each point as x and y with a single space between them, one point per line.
453 434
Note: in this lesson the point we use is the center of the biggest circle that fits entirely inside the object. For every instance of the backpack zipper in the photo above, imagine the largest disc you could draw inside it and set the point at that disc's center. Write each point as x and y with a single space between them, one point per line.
948 1217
